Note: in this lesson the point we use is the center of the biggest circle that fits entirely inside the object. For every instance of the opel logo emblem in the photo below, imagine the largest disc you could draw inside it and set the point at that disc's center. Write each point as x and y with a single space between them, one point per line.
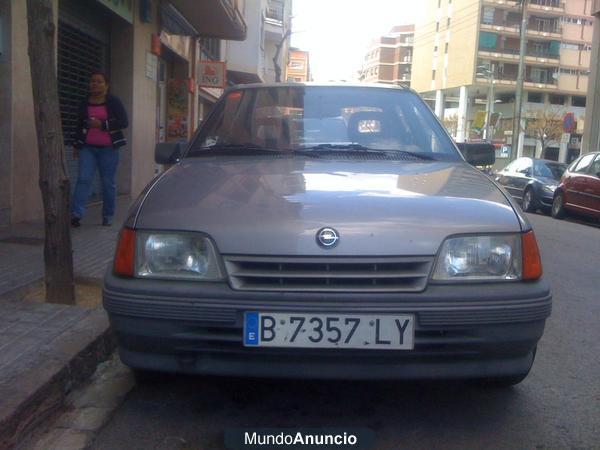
327 237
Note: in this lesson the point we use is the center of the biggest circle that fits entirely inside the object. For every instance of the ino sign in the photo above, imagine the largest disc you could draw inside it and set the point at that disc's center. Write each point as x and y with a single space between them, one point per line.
211 74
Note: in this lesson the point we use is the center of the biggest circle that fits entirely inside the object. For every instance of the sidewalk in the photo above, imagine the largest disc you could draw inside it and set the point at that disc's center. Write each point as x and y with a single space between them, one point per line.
46 349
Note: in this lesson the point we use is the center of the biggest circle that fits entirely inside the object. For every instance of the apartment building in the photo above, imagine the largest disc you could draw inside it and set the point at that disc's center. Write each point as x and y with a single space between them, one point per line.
267 43
466 58
389 57
591 134
298 69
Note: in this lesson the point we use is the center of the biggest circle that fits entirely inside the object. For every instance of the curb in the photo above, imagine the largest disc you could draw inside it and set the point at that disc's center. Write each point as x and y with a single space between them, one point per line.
41 390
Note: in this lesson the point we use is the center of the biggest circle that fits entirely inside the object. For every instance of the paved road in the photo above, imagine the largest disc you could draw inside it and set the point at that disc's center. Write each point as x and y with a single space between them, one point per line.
557 406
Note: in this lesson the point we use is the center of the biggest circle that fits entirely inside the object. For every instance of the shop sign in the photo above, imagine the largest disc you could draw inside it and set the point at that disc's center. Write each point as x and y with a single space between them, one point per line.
211 74
177 110
123 8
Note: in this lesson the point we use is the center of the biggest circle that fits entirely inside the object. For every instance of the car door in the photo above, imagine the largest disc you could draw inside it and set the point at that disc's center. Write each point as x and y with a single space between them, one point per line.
505 176
523 175
578 180
591 188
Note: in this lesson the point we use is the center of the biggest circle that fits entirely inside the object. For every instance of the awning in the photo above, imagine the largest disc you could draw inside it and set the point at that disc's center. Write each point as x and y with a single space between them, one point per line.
213 18
236 77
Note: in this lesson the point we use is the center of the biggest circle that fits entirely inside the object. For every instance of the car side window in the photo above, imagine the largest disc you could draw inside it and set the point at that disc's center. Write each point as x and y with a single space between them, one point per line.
511 167
584 164
595 170
524 166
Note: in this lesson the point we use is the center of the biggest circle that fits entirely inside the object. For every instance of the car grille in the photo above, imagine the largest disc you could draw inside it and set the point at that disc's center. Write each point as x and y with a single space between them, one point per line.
309 274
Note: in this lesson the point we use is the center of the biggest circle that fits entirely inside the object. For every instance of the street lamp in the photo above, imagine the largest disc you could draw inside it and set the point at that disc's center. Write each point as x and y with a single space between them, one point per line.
488 73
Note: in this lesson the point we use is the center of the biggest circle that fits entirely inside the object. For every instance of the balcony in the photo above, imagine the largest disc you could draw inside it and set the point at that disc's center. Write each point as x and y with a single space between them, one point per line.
510 80
215 18
538 58
503 4
274 17
503 28
546 7
543 33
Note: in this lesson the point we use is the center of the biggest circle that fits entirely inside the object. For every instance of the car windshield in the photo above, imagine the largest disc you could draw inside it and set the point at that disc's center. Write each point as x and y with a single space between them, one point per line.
317 119
549 169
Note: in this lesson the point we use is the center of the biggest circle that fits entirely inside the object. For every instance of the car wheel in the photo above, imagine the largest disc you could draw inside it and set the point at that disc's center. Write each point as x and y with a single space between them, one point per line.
143 376
529 202
558 206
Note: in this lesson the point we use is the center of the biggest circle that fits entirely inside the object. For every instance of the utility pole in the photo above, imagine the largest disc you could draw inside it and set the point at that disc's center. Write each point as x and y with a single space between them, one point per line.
516 134
491 101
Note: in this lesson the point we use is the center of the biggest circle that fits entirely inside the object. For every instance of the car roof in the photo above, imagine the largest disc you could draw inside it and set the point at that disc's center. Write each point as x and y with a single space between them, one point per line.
321 84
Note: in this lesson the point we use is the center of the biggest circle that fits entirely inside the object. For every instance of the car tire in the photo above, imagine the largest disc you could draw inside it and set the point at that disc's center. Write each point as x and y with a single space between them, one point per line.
143 376
558 206
529 202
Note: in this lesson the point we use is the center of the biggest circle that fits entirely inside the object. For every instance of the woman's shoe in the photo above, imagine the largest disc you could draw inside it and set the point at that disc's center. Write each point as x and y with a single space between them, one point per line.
107 221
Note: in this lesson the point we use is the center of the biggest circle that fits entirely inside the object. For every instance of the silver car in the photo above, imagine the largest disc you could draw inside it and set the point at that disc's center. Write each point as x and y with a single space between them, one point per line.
327 231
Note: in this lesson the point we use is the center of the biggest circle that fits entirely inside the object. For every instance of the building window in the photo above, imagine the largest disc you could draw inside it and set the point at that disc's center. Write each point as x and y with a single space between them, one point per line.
446 48
299 65
448 22
579 101
210 49
433 74
535 97
557 99
437 26
488 15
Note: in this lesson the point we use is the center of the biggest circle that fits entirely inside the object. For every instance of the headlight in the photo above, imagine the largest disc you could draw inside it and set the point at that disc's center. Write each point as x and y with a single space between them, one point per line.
496 257
176 255
549 188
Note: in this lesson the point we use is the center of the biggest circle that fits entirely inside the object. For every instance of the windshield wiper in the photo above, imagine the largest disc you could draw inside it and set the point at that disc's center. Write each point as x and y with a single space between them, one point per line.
233 149
362 149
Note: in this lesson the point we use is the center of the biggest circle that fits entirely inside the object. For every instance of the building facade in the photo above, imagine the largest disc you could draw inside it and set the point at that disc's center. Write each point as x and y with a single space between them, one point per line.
150 51
298 68
264 52
389 58
591 134
467 56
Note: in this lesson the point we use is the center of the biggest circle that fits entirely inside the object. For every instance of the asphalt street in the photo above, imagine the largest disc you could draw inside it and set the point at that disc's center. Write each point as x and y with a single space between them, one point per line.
557 406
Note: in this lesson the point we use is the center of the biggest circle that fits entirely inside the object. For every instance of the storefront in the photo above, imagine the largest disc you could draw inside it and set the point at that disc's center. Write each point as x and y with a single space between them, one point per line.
83 47
149 57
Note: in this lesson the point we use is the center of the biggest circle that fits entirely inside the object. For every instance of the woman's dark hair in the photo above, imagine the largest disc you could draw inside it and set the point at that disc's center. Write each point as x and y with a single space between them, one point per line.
102 74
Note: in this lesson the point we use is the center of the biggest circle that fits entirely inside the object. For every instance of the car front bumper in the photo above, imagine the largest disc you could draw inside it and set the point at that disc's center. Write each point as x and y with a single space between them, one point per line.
485 330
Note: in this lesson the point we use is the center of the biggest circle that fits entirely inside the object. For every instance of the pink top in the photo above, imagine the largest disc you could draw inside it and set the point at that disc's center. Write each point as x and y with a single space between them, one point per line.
96 136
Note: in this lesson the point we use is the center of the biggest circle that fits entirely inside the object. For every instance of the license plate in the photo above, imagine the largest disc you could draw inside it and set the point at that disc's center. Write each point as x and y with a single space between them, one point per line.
392 332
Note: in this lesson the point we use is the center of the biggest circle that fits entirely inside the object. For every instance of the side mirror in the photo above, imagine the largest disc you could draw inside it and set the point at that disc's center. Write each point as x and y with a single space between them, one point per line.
478 154
168 152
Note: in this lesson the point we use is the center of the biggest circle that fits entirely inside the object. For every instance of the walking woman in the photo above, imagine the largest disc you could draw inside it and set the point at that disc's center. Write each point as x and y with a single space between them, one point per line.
99 135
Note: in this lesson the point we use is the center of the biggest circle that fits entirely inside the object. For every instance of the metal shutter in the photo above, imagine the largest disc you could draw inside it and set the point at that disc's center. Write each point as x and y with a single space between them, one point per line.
83 46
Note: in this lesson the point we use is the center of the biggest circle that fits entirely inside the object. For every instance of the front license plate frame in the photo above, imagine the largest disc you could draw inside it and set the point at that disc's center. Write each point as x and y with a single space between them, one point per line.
329 330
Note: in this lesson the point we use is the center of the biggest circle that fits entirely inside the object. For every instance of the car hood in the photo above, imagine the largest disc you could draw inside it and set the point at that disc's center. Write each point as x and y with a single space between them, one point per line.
276 205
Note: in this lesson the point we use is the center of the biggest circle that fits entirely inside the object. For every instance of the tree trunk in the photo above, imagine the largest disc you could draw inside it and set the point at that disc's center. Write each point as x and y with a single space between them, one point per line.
53 175
278 46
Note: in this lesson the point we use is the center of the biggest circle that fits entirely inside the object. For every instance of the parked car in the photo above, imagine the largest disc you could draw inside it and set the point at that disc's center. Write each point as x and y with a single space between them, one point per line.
374 253
532 182
579 190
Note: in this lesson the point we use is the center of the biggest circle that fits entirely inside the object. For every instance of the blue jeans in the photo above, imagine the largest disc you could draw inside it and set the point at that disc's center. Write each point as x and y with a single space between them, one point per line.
106 160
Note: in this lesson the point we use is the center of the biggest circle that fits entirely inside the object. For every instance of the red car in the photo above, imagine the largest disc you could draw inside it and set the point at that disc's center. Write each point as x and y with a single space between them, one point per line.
579 189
